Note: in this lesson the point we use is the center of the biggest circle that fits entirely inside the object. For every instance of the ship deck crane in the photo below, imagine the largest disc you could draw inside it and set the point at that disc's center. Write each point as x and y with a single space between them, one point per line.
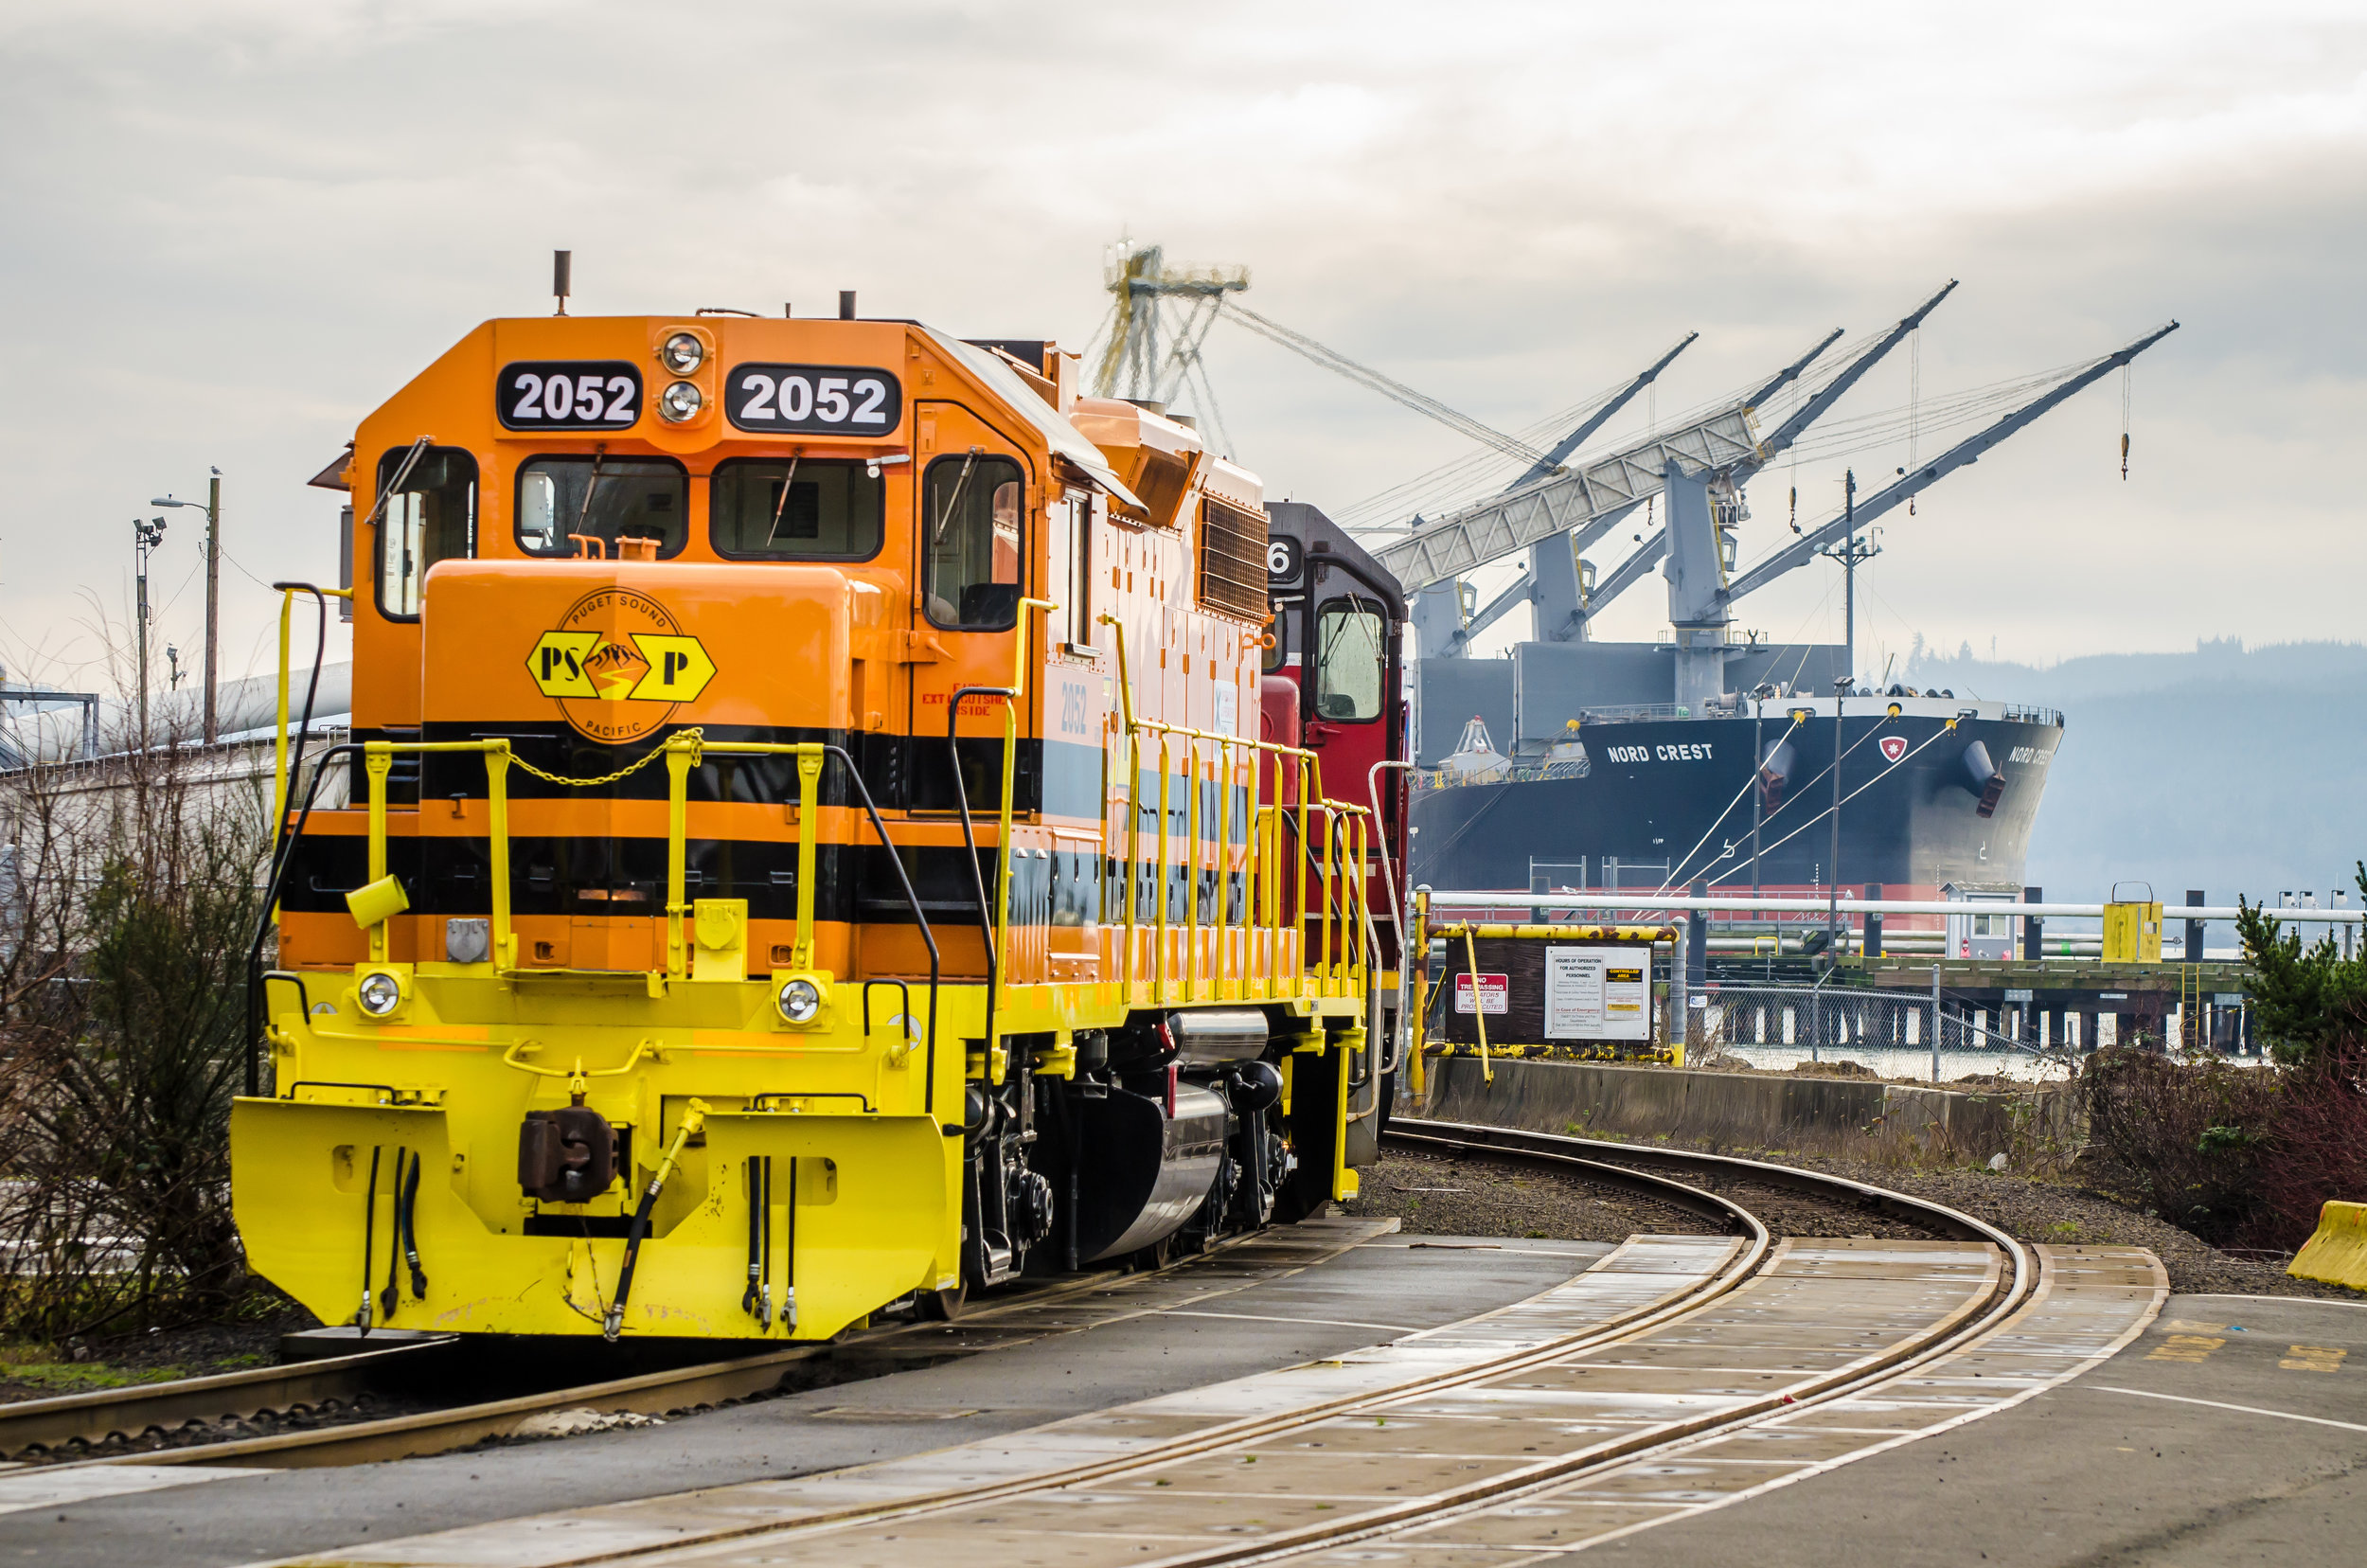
1585 500
1562 605
1800 551
1438 615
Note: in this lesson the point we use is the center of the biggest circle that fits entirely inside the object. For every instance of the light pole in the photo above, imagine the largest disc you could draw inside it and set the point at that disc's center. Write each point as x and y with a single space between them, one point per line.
1851 554
147 533
212 508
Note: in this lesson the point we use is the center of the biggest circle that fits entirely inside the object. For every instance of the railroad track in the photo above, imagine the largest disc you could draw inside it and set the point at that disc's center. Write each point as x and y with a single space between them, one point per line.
39 1430
1669 1348
1671 1344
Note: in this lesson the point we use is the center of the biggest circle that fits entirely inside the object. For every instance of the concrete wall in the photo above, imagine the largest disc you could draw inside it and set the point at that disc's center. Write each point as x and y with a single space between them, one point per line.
1840 1116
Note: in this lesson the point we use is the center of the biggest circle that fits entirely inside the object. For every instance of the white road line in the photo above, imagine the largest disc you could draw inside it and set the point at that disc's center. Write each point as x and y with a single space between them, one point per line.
2215 1404
1326 1322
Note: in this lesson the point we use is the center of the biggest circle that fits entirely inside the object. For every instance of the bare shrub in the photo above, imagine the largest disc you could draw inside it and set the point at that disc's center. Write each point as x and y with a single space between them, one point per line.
2187 1133
122 966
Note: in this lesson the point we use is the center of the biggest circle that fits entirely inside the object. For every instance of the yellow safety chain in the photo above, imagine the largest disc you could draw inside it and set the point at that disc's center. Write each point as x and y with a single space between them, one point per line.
696 736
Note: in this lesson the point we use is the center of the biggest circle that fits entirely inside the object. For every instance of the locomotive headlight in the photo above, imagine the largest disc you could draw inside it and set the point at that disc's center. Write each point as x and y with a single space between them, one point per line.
379 994
682 353
800 1001
680 400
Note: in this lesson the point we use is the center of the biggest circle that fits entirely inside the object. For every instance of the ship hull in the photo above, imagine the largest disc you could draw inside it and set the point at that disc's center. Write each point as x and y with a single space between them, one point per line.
1670 802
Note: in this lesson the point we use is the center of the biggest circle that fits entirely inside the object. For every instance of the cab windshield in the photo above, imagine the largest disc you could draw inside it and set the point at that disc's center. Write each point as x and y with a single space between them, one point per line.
809 509
602 507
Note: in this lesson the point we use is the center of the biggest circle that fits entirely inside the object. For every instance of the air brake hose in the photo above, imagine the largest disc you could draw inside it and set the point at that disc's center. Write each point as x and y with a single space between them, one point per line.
369 1239
411 1229
392 1294
693 1118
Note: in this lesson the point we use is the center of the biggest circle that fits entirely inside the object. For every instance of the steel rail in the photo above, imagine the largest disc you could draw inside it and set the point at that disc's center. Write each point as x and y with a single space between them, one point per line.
98 1416
1746 1257
1975 1315
1969 1323
440 1431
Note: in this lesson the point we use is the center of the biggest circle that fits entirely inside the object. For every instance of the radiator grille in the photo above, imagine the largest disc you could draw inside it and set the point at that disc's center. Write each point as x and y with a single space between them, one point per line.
1233 559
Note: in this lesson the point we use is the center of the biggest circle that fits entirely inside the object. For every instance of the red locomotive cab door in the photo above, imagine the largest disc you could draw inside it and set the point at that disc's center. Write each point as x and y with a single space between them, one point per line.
1349 698
977 496
1351 703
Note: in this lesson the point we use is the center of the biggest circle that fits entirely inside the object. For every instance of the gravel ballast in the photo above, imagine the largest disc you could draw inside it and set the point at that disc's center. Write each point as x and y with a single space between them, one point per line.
1479 1195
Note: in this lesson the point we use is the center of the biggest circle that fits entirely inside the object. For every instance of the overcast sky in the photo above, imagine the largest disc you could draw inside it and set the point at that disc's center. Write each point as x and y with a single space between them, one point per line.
233 227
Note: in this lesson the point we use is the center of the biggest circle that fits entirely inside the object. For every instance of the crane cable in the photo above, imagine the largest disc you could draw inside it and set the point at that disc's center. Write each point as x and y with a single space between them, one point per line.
1364 375
2123 422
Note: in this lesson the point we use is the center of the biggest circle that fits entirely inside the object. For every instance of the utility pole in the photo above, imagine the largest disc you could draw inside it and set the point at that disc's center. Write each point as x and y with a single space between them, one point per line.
213 606
212 509
1851 554
146 535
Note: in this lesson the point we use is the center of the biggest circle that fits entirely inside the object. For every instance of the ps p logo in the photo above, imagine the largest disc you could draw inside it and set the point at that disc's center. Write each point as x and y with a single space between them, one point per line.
1893 746
619 665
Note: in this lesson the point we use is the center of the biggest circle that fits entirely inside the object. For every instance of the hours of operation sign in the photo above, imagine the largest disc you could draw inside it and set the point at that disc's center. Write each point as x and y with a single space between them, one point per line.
1598 993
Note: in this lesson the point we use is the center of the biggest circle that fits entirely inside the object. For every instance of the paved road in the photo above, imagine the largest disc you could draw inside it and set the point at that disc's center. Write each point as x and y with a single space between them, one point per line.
1365 1295
2234 1431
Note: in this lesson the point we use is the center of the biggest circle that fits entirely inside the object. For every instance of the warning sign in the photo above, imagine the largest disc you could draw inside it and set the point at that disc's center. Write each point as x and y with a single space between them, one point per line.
1495 993
1597 993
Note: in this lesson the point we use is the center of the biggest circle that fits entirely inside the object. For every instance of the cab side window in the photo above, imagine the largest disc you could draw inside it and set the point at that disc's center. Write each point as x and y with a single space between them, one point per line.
1348 648
430 516
972 516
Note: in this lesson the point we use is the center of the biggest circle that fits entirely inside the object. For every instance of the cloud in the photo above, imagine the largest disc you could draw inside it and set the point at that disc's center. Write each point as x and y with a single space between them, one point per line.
237 226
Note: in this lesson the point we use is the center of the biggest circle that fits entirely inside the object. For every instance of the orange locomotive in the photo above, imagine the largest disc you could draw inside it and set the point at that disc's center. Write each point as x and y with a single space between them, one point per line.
810 845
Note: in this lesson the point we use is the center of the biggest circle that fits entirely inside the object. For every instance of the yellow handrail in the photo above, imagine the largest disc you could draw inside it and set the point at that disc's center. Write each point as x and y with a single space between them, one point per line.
1347 839
683 752
279 750
378 761
1479 1007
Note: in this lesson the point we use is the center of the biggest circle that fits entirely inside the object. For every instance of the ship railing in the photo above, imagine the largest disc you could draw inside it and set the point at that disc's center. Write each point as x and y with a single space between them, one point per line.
1631 713
1306 911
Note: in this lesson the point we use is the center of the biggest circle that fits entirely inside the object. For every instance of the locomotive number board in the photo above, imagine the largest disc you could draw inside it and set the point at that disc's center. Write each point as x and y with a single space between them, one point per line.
813 399
568 394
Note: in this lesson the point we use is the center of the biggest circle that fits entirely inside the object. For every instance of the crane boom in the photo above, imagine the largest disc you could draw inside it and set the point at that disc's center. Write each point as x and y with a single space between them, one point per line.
1592 422
1648 555
1802 550
1588 501
1464 540
1830 393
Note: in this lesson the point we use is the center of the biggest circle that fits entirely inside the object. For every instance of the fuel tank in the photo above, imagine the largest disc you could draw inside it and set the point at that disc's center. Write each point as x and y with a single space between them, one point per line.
1152 1169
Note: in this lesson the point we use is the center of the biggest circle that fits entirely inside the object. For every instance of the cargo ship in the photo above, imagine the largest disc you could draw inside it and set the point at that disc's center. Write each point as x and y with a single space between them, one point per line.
1938 795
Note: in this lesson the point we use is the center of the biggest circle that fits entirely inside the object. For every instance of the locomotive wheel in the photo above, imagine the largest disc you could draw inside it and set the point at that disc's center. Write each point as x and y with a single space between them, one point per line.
942 1306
